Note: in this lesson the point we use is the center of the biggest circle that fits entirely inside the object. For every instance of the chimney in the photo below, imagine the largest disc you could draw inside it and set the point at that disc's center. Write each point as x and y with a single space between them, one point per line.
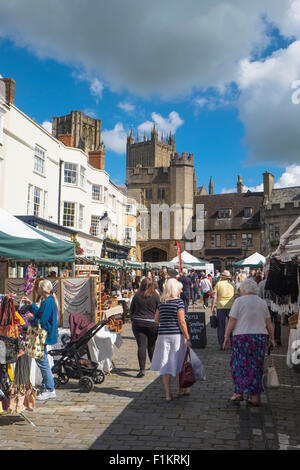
66 139
97 159
268 185
10 85
211 186
240 185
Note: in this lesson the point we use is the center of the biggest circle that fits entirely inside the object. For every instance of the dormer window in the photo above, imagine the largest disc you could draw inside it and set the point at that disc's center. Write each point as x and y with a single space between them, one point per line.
248 212
224 213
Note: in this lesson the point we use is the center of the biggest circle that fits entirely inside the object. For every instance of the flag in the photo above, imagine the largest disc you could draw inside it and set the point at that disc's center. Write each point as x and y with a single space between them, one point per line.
179 255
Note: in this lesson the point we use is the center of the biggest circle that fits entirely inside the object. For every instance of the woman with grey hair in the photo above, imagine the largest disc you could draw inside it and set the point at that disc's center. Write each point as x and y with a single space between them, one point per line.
173 337
251 326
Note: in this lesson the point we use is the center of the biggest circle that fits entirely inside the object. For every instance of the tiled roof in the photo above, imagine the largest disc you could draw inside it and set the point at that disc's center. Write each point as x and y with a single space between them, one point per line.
285 195
235 201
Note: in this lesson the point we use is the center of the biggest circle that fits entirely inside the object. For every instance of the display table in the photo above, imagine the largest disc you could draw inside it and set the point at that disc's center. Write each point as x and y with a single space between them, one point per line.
100 349
118 310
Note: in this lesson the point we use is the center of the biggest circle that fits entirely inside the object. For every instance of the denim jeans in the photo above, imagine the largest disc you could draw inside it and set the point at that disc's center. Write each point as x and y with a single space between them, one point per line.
195 293
47 377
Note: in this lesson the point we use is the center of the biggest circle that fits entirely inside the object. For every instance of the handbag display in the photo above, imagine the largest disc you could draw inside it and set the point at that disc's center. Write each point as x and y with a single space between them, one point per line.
186 376
8 327
36 338
9 348
213 321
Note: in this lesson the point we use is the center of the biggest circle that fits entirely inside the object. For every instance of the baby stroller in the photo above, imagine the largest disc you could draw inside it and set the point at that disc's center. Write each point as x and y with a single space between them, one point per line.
72 364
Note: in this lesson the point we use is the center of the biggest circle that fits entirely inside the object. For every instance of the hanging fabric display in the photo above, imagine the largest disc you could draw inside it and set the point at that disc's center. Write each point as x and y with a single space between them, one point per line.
16 391
282 286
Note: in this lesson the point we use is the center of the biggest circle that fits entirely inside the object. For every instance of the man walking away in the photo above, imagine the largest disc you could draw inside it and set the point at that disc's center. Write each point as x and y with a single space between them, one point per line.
205 288
225 292
186 290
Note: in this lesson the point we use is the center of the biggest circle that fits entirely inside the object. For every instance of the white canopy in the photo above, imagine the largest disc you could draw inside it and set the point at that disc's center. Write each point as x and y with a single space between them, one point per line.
187 258
254 260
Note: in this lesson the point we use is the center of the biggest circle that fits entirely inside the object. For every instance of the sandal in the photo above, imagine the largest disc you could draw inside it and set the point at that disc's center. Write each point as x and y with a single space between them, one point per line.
253 403
236 398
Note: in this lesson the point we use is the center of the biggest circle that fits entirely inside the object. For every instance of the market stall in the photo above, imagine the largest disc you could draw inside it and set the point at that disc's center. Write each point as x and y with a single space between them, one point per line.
254 261
286 260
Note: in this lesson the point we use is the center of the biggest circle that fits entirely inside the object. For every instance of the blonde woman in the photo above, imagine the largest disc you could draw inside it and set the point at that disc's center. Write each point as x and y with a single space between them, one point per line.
173 337
46 315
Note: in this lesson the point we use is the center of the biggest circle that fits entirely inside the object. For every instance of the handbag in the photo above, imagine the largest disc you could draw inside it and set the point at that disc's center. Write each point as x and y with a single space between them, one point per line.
8 328
271 377
36 338
186 376
213 321
9 349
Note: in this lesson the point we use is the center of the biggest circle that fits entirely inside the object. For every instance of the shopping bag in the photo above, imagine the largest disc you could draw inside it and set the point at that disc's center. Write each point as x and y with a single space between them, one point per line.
197 366
35 338
271 379
187 376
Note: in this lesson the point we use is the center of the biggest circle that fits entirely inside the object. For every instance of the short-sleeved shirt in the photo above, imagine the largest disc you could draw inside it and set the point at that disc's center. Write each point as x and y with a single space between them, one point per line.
225 291
168 319
251 313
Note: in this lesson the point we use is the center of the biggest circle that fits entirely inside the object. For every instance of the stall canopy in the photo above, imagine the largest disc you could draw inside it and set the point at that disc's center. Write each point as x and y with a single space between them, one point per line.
188 259
22 242
254 261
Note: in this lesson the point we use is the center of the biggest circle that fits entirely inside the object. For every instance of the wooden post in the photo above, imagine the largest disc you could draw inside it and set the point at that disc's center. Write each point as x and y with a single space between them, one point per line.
61 302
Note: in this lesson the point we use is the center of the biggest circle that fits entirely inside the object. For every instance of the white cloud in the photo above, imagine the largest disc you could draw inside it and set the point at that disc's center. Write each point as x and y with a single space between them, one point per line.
96 88
115 139
147 47
163 125
265 106
48 126
127 107
290 178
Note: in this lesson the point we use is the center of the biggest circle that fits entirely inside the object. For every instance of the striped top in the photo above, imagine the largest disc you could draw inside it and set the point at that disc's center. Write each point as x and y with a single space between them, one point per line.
168 320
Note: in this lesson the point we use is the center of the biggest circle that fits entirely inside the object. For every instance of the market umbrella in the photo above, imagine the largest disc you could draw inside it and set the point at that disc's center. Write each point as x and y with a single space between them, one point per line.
23 242
254 261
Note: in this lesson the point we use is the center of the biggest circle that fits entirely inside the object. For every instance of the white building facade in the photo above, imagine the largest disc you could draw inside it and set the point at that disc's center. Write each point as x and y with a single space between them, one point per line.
41 177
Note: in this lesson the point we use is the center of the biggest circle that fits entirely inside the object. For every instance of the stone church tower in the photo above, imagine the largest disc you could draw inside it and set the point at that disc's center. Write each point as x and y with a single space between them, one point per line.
157 175
83 132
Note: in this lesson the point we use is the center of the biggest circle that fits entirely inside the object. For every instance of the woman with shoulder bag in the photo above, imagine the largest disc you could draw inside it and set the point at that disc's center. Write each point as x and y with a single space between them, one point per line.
46 316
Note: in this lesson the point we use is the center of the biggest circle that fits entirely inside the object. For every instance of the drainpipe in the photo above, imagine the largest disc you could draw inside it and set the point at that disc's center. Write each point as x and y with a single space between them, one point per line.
59 190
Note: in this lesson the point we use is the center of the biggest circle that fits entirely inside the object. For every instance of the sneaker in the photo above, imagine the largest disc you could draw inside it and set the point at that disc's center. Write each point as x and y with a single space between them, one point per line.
46 395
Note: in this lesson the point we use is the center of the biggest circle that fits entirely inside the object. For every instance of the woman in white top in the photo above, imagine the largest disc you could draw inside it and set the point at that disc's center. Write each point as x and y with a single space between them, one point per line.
251 325
205 288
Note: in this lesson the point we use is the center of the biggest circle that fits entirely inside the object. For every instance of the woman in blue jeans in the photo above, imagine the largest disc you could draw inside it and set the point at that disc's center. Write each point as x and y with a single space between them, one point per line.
46 315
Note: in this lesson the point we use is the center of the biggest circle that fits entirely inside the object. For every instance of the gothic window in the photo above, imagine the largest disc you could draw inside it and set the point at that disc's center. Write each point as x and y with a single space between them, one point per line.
148 194
274 230
161 193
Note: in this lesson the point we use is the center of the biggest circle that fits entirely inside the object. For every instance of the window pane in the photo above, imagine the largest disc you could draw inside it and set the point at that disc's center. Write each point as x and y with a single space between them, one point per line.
95 225
39 160
80 221
69 214
96 192
36 201
70 173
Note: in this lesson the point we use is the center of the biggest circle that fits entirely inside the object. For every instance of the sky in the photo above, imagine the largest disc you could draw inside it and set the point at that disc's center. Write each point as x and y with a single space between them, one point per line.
223 76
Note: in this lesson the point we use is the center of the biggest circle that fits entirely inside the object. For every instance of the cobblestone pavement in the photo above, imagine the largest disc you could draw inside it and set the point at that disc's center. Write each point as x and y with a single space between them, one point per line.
126 413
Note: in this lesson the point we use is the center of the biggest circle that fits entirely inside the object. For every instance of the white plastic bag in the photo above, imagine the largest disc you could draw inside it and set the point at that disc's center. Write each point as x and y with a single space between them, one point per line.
197 366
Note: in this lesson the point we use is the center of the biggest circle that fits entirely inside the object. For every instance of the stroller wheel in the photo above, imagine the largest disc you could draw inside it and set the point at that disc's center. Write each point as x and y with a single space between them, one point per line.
86 384
64 379
99 377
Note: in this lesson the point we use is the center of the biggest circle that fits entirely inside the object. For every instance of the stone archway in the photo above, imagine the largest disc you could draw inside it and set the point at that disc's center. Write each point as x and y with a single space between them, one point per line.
154 255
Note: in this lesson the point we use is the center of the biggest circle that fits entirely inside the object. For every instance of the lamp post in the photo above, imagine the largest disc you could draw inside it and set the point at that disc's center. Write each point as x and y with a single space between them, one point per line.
104 223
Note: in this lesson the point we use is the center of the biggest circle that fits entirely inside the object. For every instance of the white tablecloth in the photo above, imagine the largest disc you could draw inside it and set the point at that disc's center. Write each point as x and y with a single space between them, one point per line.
100 348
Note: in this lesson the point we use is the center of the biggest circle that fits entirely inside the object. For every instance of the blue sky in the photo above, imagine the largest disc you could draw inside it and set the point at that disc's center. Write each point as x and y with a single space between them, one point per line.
224 123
